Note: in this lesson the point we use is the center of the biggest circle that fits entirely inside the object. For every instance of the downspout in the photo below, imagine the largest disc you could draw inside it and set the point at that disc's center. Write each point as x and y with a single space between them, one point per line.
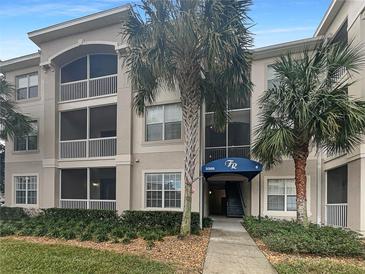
319 188
202 179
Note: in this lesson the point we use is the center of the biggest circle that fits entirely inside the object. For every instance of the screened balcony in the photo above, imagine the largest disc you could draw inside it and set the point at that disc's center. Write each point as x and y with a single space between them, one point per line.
336 200
233 141
90 76
88 133
88 188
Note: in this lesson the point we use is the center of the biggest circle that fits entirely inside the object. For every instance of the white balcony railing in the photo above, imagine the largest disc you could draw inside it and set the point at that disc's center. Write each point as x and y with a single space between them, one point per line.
102 147
98 147
215 153
100 86
336 215
88 204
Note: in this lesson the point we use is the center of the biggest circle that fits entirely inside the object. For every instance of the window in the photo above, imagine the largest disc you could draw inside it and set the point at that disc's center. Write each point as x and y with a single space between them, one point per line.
281 195
271 77
29 142
27 86
163 122
163 190
88 67
337 185
25 190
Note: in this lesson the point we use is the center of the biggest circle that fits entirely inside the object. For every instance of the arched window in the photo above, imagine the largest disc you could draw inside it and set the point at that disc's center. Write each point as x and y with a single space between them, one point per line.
88 67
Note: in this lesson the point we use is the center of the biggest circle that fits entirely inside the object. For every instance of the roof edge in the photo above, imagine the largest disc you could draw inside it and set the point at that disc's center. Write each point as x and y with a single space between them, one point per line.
328 17
78 20
277 49
24 58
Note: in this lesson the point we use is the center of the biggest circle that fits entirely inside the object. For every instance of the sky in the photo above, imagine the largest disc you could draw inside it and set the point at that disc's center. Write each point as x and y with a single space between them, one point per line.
274 21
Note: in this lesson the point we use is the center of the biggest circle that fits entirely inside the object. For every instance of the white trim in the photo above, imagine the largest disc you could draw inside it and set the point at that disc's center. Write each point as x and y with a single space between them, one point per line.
291 214
161 171
14 190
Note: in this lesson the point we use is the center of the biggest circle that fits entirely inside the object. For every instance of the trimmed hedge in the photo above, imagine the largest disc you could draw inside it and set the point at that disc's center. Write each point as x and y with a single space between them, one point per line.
162 220
86 215
12 213
292 237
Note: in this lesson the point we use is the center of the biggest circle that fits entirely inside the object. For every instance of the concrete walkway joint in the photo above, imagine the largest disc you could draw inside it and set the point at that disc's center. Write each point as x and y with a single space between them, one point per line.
232 250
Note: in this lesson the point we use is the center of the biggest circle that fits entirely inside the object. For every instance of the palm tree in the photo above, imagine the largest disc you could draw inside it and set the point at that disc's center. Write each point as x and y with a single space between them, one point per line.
309 105
199 47
12 122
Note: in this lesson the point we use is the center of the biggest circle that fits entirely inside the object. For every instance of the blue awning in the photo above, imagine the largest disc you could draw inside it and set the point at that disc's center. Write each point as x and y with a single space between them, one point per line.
241 166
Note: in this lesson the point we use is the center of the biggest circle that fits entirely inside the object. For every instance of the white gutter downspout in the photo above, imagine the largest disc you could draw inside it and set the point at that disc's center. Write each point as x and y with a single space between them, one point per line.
319 188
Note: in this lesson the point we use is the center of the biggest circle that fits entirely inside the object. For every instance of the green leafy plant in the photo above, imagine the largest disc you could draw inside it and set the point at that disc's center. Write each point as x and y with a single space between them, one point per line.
86 236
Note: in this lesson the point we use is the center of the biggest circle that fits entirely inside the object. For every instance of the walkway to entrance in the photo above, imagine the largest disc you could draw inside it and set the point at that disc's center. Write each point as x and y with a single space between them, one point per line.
232 250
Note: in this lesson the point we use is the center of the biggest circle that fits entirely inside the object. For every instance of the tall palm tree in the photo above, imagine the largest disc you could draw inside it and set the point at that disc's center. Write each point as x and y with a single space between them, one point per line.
310 105
199 47
12 122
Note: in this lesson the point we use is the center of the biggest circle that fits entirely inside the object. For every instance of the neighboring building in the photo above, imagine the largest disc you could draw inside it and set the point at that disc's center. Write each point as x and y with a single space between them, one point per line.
89 149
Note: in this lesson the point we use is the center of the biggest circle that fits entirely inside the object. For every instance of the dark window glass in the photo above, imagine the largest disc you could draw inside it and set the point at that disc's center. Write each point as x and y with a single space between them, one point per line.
74 184
239 128
21 94
172 130
102 183
276 202
337 185
33 92
103 122
102 65
239 104
342 35
213 137
75 71
20 143
73 125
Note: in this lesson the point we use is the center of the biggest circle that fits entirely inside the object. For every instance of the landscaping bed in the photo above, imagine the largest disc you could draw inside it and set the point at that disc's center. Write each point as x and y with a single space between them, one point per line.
152 234
291 248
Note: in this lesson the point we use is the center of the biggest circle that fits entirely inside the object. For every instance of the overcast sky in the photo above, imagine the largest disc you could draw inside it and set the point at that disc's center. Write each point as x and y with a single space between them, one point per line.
275 21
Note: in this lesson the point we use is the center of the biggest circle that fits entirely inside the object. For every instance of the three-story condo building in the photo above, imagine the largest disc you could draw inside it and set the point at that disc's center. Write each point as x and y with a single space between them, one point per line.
89 149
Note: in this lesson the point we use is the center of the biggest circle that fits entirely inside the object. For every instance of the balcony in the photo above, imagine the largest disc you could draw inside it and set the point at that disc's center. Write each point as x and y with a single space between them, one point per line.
90 76
336 215
89 88
88 188
215 153
88 133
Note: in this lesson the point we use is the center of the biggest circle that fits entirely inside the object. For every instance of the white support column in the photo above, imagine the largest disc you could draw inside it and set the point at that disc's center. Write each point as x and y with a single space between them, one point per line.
88 188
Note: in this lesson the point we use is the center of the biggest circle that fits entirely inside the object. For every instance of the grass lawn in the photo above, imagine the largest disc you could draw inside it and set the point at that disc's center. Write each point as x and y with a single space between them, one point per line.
317 266
24 257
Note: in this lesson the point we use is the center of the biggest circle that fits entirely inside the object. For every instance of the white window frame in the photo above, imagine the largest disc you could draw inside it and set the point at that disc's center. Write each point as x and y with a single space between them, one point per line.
285 194
268 67
163 123
26 190
163 208
28 75
27 140
284 214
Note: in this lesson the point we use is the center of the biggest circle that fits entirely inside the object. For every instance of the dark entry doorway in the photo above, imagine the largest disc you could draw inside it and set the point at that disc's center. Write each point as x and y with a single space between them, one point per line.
226 199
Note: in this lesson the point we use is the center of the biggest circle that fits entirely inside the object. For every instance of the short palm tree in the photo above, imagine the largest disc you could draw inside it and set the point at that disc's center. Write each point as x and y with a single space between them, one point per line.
198 47
12 122
309 105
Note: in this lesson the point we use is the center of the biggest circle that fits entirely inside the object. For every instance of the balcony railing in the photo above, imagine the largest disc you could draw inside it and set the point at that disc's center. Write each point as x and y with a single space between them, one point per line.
336 215
215 153
100 86
98 147
88 204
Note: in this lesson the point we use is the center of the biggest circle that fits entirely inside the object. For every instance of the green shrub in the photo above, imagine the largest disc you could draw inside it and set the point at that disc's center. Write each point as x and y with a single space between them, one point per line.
101 237
125 240
291 237
12 213
207 222
85 215
168 221
67 234
131 234
40 231
152 235
86 236
118 232
6 230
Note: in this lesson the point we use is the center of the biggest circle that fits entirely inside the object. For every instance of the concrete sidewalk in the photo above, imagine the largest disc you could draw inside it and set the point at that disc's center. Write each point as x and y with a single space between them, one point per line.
232 250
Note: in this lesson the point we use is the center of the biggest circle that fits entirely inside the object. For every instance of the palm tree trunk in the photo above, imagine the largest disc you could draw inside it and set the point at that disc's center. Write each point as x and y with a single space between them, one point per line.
300 162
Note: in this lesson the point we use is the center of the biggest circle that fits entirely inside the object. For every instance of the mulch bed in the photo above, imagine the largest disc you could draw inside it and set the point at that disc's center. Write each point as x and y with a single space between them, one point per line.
188 254
277 257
